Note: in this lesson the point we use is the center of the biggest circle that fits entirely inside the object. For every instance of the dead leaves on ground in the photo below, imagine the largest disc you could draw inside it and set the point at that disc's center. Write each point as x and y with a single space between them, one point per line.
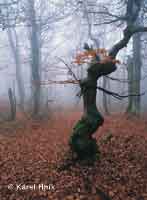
36 149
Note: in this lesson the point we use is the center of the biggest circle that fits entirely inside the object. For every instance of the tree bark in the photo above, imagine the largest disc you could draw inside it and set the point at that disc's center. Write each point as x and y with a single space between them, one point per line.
137 70
12 101
35 56
81 140
134 77
130 84
105 97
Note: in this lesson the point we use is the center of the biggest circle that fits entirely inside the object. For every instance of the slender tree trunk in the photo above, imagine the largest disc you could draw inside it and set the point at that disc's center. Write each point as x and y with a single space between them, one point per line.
105 98
35 64
134 77
137 70
131 104
12 101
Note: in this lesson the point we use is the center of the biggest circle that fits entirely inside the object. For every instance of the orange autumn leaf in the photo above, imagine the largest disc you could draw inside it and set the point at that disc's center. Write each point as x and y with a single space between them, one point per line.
86 56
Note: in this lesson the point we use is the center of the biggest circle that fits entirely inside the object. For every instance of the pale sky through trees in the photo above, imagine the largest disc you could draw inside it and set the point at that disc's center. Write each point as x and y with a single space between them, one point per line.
63 38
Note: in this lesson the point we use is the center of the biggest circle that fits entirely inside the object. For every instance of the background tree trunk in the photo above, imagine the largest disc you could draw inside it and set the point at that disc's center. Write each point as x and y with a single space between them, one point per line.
105 97
35 62
12 101
137 70
134 76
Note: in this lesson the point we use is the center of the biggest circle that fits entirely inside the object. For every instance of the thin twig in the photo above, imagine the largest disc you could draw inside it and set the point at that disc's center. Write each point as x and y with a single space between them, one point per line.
73 74
118 96
124 80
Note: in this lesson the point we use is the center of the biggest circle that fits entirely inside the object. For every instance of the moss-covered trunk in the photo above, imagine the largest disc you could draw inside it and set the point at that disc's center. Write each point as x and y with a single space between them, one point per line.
81 140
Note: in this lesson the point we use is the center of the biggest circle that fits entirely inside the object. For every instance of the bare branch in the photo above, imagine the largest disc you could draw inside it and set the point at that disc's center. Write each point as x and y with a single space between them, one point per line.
132 13
73 74
106 13
124 80
128 32
118 96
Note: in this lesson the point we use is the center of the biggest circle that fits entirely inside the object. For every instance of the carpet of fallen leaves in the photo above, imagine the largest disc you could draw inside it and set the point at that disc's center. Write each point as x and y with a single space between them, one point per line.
33 153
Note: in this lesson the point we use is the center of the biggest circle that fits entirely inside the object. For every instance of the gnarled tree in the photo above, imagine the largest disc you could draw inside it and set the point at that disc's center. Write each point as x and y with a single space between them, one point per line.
82 141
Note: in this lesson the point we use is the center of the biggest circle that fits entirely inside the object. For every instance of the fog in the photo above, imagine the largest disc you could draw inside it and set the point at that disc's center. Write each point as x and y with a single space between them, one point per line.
61 28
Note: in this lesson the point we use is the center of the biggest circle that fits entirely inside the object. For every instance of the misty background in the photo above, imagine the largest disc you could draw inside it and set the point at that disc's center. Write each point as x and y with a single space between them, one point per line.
36 36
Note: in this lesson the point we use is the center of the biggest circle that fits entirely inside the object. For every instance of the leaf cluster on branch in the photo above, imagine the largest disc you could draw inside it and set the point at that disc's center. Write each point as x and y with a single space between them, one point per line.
87 56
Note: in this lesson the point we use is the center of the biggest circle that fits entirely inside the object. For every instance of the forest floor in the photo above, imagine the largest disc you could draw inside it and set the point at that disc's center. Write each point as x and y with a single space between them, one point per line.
32 156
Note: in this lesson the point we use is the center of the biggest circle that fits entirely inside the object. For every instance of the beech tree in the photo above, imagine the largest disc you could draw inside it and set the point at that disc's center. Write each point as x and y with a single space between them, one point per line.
81 140
134 77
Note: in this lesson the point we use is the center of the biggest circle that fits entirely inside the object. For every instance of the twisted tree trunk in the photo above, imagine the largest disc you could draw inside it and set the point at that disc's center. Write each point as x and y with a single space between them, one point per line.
81 140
